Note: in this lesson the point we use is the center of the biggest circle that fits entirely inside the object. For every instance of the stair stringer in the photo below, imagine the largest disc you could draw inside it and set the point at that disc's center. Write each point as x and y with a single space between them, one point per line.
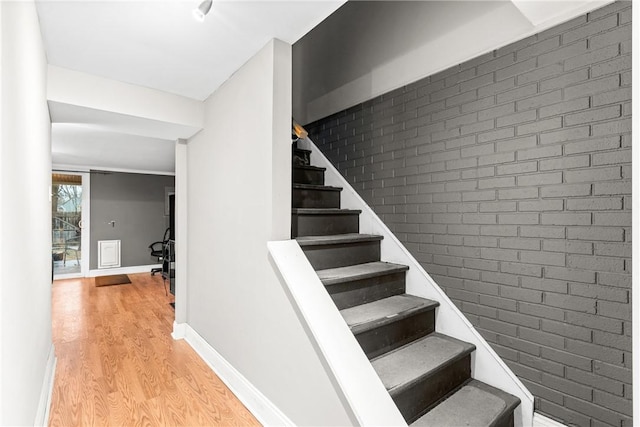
486 365
358 385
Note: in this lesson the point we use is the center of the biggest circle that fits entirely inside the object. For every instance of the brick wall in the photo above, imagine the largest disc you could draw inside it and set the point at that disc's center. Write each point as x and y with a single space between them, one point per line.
509 178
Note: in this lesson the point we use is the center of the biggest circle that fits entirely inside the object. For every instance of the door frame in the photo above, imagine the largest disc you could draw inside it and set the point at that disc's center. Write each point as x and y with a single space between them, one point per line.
85 250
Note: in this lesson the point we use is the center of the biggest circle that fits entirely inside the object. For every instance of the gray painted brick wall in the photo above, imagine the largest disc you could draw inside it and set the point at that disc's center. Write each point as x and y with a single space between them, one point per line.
509 178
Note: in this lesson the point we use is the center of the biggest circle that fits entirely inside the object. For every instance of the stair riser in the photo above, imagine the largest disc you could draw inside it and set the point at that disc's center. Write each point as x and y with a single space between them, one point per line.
415 401
341 255
415 397
350 294
308 198
396 334
505 421
324 224
307 176
300 157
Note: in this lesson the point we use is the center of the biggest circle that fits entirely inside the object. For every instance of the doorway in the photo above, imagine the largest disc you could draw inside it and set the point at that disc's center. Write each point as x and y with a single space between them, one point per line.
69 208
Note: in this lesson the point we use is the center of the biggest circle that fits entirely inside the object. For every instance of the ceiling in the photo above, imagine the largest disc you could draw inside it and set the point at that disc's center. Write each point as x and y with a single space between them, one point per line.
159 45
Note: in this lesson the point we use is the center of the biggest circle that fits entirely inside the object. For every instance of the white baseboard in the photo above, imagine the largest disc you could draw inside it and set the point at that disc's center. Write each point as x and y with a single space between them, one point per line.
540 420
44 404
123 270
179 331
260 406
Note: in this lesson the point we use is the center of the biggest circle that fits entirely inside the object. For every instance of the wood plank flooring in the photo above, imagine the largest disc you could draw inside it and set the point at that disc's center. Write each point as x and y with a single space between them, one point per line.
118 365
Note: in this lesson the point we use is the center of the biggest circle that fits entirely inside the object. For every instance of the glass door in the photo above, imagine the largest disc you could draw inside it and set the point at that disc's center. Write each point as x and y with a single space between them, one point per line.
67 221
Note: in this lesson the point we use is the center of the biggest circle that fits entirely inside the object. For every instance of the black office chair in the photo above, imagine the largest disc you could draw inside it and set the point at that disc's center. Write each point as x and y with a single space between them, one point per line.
158 250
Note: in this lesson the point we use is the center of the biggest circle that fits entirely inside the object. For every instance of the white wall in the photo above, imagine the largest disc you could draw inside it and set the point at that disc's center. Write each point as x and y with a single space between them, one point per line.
367 48
239 192
25 215
181 234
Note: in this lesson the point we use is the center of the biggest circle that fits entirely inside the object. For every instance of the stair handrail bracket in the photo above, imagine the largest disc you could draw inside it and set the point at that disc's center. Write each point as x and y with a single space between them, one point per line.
487 366
358 386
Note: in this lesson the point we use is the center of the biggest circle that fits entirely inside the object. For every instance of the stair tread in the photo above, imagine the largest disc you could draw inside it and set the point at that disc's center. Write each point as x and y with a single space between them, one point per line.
373 314
302 149
325 211
474 404
336 239
332 276
310 167
316 187
403 366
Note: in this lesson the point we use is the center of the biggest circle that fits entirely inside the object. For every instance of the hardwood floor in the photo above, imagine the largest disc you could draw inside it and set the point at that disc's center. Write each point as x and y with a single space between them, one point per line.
118 365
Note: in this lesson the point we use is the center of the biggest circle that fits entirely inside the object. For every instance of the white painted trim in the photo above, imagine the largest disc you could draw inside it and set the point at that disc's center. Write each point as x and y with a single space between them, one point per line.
124 270
181 232
67 276
635 216
179 330
582 7
487 366
540 420
44 404
355 381
85 246
58 167
84 168
257 403
85 237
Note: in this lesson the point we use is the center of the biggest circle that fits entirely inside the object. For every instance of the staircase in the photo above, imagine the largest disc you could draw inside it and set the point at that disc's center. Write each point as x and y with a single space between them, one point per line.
427 374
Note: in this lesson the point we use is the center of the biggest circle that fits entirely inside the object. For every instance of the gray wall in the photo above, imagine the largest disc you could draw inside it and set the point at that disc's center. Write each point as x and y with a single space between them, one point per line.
136 202
509 178
235 300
